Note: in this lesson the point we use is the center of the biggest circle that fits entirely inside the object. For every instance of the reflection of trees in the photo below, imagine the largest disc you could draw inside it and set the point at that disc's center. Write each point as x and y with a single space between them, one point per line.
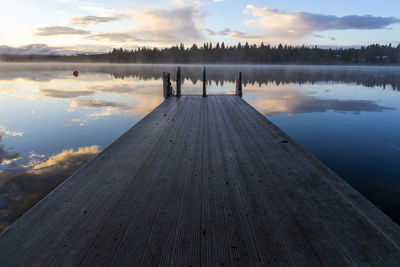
220 74
369 77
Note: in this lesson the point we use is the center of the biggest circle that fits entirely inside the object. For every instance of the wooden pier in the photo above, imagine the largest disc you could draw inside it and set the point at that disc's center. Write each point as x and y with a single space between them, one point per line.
203 181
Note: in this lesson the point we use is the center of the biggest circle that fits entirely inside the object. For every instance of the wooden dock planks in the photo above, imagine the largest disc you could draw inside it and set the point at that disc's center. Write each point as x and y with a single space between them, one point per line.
203 181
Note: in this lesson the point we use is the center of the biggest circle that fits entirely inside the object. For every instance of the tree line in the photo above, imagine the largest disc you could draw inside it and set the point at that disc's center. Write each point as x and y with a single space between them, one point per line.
259 54
236 54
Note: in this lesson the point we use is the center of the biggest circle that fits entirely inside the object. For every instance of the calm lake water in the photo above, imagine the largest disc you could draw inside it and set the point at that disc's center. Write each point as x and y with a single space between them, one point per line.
51 122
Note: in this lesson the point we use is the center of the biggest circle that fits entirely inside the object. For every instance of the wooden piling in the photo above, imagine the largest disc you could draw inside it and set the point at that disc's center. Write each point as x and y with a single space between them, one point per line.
178 81
204 82
165 85
239 85
167 89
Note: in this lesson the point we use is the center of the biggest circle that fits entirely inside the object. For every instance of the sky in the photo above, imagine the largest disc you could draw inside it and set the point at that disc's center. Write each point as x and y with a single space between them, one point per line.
80 26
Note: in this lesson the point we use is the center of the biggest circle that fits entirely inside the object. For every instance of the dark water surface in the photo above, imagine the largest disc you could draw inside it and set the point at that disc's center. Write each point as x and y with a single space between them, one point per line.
51 122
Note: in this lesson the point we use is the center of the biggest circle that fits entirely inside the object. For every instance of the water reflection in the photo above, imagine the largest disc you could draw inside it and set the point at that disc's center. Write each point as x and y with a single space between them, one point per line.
6 157
22 186
219 74
51 122
290 99
60 93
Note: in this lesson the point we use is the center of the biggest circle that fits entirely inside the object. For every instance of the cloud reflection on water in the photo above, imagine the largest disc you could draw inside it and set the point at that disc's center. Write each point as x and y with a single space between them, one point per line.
26 177
273 100
61 93
7 157
23 186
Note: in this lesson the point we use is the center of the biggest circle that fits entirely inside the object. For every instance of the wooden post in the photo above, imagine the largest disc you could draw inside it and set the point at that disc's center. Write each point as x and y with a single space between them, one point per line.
204 82
178 81
167 89
165 85
239 85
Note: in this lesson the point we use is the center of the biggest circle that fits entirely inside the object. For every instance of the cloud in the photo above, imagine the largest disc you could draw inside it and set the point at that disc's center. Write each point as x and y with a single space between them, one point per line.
88 20
243 35
286 99
22 188
317 35
5 132
285 25
184 3
68 158
44 49
114 37
95 103
33 49
6 90
226 31
181 23
146 98
61 93
90 6
116 88
5 156
313 104
232 34
108 89
59 30
100 114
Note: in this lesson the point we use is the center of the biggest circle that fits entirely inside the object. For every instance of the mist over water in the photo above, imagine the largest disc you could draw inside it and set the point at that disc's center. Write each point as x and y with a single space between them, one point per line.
51 122
368 76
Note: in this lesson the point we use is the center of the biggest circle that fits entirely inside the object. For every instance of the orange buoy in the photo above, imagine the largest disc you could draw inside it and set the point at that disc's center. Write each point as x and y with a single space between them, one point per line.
76 73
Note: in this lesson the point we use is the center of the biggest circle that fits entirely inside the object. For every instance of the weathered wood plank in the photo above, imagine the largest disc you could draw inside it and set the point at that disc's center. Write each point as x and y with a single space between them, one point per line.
115 229
269 208
243 247
285 223
318 196
203 181
20 241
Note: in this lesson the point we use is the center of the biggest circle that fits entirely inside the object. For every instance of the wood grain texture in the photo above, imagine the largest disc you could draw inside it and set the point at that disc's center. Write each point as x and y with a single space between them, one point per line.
203 181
